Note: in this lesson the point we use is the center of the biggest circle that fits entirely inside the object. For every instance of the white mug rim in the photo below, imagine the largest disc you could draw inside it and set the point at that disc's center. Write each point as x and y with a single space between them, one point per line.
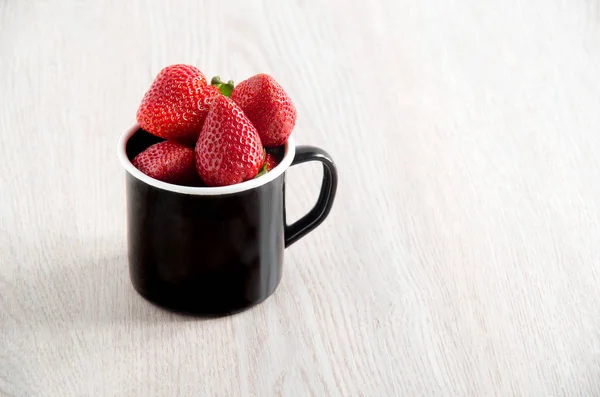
288 157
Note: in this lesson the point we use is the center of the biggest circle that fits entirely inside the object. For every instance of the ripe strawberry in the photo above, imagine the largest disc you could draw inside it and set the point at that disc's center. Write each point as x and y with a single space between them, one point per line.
228 149
270 162
169 162
269 108
176 104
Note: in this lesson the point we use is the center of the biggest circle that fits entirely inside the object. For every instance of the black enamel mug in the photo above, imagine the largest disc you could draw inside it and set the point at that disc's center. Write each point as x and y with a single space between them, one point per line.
213 251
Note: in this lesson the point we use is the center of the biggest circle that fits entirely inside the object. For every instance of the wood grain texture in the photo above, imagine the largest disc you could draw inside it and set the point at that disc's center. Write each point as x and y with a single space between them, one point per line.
461 257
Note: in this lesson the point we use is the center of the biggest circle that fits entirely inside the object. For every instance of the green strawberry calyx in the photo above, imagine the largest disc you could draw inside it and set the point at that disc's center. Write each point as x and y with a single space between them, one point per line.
262 171
225 88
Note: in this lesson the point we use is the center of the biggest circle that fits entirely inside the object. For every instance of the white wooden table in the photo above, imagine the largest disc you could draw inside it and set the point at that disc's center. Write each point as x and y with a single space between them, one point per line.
461 258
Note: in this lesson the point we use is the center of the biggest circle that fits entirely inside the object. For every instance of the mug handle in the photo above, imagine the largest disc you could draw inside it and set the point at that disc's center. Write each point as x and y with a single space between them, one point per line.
319 212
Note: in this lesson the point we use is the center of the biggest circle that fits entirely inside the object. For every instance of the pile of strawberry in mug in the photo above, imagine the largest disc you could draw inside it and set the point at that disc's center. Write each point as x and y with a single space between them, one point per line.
215 134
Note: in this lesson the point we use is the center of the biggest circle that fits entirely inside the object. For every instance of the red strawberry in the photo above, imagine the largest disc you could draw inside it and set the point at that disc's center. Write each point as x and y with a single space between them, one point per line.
228 149
269 108
169 162
270 162
176 104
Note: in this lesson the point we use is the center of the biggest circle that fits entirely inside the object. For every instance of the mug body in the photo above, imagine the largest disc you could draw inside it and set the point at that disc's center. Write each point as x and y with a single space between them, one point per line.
210 251
205 254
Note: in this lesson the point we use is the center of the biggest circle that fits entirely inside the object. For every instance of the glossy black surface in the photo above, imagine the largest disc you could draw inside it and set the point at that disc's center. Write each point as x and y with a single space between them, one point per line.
205 254
317 215
214 255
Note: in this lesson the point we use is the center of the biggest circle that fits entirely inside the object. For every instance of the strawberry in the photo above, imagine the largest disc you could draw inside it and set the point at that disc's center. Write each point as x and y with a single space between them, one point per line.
228 150
270 162
176 104
169 162
268 107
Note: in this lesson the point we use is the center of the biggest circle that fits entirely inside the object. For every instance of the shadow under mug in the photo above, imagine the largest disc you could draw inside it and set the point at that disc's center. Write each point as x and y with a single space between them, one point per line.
213 251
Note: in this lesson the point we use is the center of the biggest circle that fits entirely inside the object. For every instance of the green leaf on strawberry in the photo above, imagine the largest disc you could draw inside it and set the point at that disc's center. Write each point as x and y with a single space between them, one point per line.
262 171
225 88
